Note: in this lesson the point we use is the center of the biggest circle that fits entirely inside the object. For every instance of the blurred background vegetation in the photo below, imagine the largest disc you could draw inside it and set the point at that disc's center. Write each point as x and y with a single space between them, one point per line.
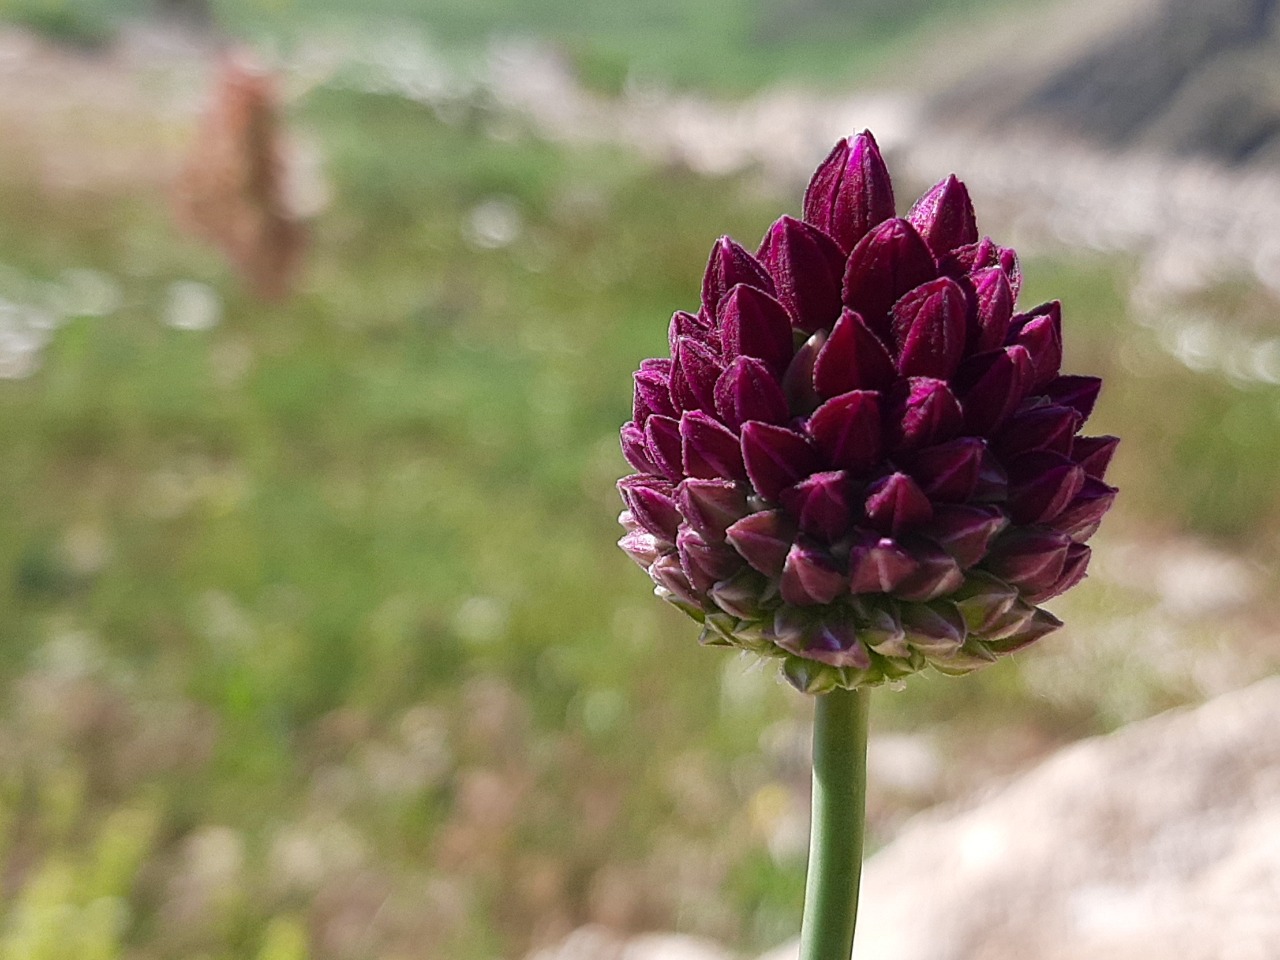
314 640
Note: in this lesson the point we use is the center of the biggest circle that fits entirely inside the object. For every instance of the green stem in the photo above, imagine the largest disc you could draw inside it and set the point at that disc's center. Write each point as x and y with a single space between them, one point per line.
839 813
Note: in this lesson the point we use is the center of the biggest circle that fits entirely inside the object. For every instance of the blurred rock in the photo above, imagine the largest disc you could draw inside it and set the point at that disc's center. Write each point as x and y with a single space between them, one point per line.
1161 840
905 764
1184 76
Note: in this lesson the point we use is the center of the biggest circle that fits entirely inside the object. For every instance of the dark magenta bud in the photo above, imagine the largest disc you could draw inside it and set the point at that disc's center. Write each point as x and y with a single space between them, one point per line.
1040 331
729 266
991 386
831 640
811 576
748 391
711 506
807 267
948 472
836 643
993 310
776 457
898 490
853 358
1044 427
881 629
662 439
850 192
753 324
1080 518
973 257
1094 454
886 263
944 217
878 564
703 562
709 448
820 504
1080 393
1041 484
895 504
847 431
922 412
1009 623
652 505
973 655
965 531
636 451
698 370
930 325
763 539
1030 558
993 481
740 595
653 391
936 574
669 574
695 328
1073 571
935 629
642 547
983 601
682 395
1037 624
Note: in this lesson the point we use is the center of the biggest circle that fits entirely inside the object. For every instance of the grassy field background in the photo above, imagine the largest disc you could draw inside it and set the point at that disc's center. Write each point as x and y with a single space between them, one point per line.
728 47
315 642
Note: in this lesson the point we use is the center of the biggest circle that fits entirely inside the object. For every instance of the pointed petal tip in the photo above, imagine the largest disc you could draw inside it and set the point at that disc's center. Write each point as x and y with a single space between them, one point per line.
944 217
776 457
852 358
850 192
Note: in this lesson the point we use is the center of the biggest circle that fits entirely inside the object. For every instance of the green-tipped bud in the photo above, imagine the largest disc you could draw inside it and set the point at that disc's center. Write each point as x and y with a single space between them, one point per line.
935 629
1039 624
983 601
972 656
808 676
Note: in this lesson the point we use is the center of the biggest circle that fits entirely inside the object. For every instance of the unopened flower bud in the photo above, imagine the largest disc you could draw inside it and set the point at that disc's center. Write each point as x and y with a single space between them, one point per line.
898 490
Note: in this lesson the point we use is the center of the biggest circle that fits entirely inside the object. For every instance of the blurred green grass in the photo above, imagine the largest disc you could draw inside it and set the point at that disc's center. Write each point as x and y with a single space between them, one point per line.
395 491
729 47
404 484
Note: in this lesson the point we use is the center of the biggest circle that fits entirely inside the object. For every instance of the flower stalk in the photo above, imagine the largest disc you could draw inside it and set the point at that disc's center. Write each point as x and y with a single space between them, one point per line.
836 831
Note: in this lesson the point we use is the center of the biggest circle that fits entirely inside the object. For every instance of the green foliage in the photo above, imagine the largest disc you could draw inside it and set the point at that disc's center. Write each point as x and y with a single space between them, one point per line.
86 24
285 939
727 46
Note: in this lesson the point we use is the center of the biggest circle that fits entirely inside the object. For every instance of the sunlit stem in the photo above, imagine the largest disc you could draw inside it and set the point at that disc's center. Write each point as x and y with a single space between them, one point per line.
839 815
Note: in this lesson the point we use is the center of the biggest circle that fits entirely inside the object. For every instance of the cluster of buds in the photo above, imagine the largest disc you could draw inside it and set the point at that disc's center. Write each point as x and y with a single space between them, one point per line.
858 456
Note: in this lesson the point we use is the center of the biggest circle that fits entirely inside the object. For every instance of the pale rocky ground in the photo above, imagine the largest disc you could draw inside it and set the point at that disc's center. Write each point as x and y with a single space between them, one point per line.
1159 841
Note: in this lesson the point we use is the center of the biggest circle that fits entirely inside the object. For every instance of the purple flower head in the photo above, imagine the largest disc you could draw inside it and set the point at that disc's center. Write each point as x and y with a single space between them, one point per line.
861 456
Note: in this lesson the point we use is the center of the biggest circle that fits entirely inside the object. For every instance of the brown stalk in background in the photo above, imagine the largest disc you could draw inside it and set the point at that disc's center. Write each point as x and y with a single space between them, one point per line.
232 188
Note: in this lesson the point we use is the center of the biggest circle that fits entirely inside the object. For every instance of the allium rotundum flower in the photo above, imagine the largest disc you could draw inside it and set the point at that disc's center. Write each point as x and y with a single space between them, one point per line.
860 456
